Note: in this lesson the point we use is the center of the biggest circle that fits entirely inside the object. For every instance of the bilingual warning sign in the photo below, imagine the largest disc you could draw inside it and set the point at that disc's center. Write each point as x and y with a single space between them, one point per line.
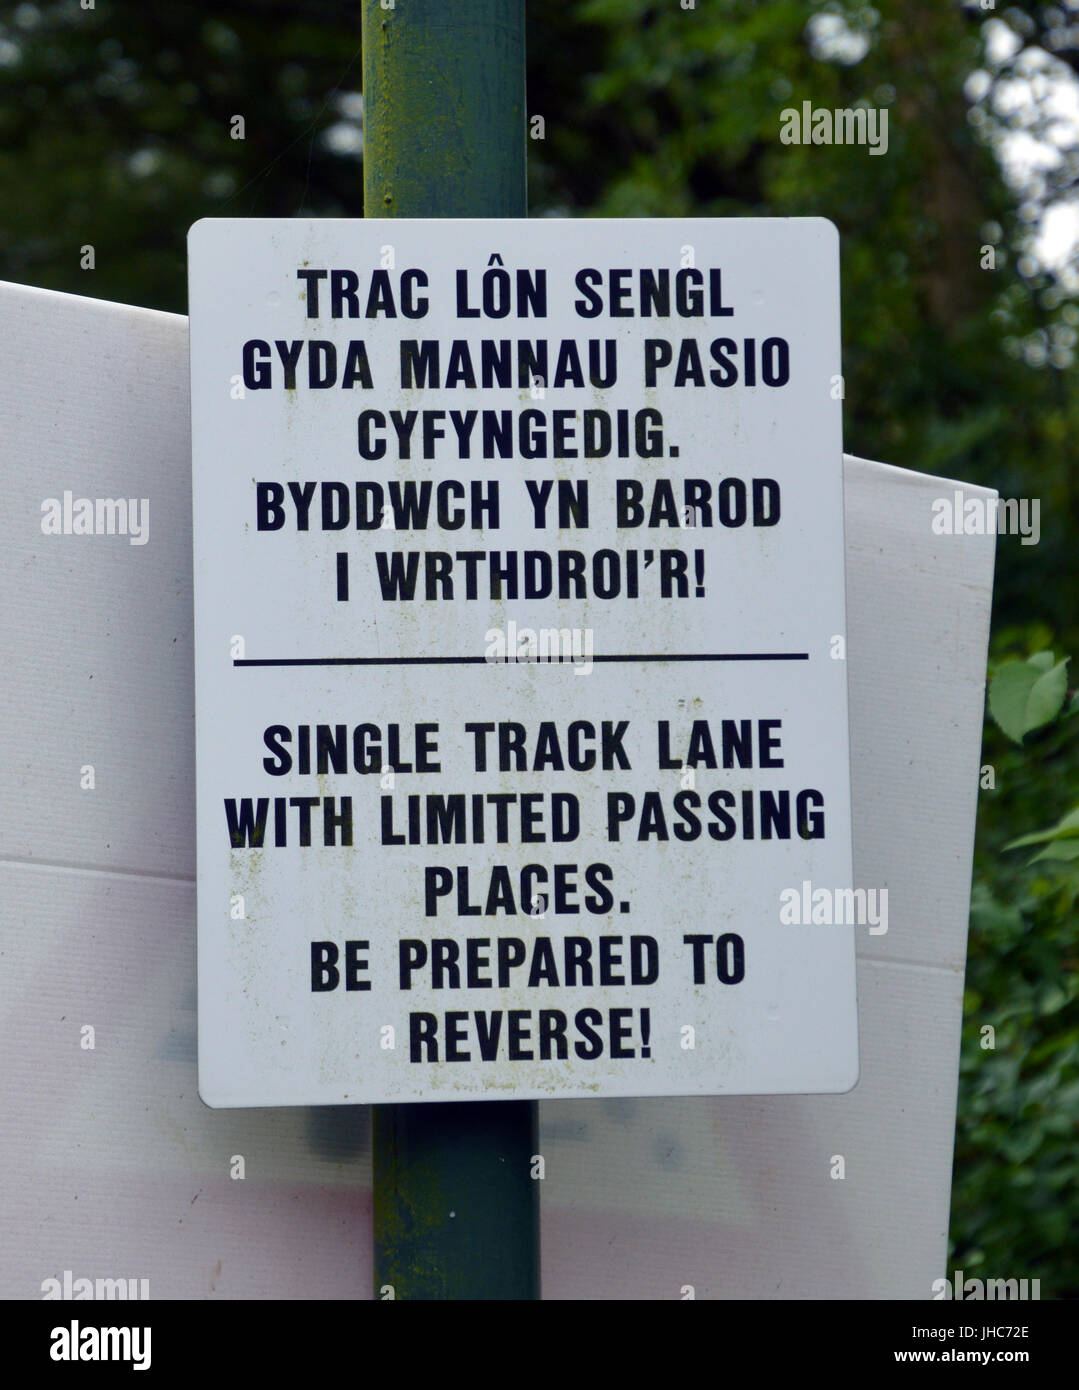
522 748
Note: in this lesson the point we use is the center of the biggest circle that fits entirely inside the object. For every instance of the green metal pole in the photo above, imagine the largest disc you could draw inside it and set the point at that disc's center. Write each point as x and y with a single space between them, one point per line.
456 1210
444 108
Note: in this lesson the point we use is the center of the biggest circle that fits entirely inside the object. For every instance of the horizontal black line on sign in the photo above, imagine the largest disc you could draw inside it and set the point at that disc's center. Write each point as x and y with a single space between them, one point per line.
512 661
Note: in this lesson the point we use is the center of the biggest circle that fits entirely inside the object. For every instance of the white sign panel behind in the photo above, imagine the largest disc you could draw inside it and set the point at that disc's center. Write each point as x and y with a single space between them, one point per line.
522 737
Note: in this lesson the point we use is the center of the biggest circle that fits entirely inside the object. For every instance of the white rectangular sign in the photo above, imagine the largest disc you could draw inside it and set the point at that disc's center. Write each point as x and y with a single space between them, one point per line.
521 695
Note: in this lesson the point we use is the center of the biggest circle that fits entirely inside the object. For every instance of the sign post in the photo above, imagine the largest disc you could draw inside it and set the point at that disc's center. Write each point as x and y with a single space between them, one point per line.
456 1208
523 752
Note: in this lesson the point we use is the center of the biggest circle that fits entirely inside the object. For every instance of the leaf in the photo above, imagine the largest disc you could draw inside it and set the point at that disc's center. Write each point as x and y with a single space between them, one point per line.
1052 999
1064 849
1067 828
1024 695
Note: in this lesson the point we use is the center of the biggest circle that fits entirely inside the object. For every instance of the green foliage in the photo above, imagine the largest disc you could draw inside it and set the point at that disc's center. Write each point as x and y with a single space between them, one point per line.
1061 840
1015 1200
1024 695
115 132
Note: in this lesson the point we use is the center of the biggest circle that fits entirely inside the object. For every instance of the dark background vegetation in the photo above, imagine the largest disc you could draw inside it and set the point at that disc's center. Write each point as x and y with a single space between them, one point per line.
114 131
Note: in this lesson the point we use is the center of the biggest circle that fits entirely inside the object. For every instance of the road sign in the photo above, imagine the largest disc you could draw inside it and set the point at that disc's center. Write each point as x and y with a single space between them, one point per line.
520 660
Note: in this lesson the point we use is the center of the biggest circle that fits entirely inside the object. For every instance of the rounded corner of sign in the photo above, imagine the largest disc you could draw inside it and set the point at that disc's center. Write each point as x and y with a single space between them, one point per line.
207 1096
856 1076
198 229
829 230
